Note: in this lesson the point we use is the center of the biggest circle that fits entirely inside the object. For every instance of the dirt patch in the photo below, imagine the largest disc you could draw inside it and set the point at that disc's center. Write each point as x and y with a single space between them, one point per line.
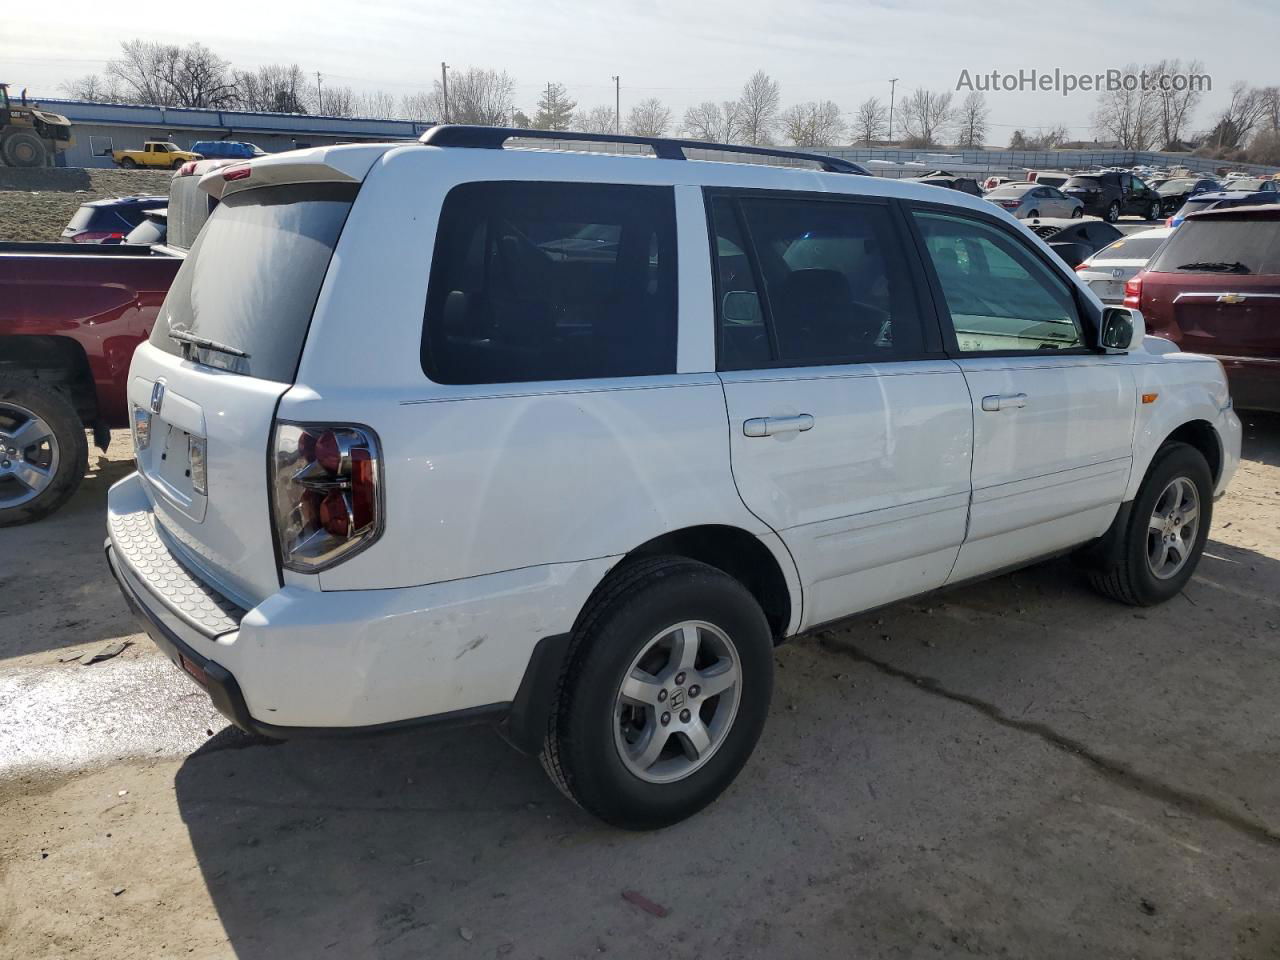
36 204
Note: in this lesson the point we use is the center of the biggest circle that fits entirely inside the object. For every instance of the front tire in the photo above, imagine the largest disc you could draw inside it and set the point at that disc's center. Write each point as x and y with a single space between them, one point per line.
22 149
1166 531
1113 212
1033 214
43 450
664 694
1154 212
1077 213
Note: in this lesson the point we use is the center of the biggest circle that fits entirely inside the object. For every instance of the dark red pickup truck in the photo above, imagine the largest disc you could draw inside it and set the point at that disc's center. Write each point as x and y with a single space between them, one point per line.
70 318
69 323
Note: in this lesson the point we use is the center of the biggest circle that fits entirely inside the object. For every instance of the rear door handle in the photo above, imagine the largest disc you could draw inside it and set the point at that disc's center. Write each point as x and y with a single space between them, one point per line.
772 426
1004 401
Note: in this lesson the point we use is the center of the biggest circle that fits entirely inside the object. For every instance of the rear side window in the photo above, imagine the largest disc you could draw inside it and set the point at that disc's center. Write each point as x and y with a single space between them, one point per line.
552 281
1222 246
817 282
252 278
81 219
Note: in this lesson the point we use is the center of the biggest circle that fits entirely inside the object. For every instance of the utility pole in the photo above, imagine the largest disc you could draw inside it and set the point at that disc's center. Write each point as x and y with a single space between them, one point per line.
444 88
893 84
617 104
319 95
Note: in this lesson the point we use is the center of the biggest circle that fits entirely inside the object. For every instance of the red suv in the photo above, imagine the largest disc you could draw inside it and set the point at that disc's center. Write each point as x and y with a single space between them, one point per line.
1214 288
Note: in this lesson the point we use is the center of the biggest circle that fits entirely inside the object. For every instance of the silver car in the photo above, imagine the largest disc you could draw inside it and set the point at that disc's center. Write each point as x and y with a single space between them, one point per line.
1107 271
1026 200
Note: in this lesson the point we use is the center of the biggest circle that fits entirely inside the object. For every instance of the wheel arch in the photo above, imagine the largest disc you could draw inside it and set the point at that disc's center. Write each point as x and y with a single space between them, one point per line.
761 564
1201 435
59 361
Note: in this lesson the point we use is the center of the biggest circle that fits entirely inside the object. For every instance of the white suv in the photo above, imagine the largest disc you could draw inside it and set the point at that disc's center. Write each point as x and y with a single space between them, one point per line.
568 441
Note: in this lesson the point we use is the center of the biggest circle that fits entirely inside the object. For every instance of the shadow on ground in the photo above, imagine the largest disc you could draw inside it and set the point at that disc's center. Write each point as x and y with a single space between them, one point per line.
55 587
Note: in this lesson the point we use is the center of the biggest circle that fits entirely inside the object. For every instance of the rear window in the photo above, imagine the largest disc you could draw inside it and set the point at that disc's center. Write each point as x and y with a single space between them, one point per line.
1222 246
252 278
81 219
1131 248
552 281
148 232
1088 183
1010 192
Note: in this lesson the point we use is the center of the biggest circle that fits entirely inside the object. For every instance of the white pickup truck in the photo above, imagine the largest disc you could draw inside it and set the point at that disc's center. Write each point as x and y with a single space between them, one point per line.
567 441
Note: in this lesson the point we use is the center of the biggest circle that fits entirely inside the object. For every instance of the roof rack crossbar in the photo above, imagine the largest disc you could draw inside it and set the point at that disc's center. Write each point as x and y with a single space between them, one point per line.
665 148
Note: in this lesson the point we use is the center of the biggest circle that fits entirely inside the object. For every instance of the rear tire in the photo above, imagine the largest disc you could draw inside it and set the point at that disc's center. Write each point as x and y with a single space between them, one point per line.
1033 214
36 478
1177 483
22 149
610 752
1113 212
1154 212
128 163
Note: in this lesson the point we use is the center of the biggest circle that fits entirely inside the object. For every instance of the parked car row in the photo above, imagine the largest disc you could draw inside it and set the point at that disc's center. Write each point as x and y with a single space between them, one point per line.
164 154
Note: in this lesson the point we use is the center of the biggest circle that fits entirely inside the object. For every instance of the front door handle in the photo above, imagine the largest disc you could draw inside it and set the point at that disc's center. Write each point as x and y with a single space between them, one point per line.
1005 401
772 426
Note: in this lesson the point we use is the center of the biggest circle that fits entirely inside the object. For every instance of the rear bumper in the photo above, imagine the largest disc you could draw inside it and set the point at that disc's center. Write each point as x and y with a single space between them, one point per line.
305 662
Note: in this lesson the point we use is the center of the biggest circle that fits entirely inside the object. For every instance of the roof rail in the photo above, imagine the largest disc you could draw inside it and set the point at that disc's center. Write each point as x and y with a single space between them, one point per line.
665 148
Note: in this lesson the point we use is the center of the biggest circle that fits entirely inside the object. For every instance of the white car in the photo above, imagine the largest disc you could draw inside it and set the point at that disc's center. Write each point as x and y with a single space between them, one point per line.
1108 270
568 441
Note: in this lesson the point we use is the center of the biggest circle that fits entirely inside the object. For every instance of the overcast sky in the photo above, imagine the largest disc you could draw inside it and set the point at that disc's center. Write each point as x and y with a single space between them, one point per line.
683 53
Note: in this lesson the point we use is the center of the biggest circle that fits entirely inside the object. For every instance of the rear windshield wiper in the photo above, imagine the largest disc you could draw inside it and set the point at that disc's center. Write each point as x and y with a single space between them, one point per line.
1216 266
183 336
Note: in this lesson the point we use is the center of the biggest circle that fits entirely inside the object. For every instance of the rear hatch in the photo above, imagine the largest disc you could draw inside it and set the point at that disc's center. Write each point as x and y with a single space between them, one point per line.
1107 271
1215 286
225 347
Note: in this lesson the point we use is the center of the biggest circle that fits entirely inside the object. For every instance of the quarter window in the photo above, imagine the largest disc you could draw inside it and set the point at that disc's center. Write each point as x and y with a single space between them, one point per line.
804 282
1000 295
552 281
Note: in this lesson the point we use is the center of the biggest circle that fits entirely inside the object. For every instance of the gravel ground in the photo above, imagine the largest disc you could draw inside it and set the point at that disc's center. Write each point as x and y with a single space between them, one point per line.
36 204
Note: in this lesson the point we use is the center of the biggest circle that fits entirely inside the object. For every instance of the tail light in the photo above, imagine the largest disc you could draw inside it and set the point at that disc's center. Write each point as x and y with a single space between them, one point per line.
236 173
327 497
187 169
1133 291
1081 267
97 236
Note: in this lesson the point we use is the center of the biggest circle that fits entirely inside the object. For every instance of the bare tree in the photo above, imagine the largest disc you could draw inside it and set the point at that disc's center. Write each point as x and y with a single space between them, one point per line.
476 96
275 88
758 109
1247 108
423 106
816 123
94 88
555 108
169 75
649 118
718 122
1130 117
376 103
926 115
1176 106
870 121
596 120
971 121
1050 139
336 102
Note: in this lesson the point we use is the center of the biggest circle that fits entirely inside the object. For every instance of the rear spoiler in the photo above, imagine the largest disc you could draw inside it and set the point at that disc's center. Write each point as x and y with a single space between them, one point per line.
338 164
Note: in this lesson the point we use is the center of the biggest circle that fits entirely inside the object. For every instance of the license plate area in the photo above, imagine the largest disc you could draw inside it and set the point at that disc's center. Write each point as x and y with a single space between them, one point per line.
166 464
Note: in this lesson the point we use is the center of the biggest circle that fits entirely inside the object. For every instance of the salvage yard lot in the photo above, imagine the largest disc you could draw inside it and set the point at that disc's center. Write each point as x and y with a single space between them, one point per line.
1014 768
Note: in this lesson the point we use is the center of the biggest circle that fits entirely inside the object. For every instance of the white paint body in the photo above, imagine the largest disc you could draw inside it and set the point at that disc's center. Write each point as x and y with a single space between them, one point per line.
506 505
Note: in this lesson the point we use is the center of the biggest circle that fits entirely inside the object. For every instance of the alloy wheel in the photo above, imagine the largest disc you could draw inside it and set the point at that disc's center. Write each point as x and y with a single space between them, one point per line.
1171 531
28 455
677 702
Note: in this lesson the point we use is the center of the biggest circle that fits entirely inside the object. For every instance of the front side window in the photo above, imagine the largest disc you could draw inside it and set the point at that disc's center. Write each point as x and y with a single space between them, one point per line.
1000 295
806 281
552 281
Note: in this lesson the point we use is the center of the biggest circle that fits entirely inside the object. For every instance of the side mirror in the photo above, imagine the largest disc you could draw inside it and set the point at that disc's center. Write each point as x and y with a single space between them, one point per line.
741 306
1122 329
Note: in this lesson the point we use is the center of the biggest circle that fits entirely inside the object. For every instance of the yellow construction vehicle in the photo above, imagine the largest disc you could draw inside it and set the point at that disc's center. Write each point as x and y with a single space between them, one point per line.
29 136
